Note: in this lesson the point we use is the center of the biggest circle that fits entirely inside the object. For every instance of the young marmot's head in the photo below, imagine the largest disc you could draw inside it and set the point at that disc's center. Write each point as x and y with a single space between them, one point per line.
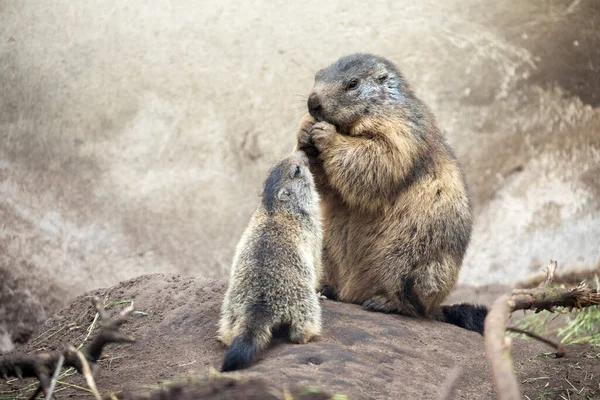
290 187
355 86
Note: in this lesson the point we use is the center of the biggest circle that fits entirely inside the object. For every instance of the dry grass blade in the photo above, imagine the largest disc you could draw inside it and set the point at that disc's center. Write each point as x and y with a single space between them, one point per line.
57 369
550 272
87 373
560 350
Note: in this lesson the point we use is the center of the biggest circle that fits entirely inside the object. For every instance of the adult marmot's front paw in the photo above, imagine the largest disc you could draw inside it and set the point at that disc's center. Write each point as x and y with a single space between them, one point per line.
321 134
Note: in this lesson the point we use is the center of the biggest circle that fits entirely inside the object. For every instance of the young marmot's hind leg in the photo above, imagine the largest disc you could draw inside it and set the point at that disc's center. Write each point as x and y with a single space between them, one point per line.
307 322
227 325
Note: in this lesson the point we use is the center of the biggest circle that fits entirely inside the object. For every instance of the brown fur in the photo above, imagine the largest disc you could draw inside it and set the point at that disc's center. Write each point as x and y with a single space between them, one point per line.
397 217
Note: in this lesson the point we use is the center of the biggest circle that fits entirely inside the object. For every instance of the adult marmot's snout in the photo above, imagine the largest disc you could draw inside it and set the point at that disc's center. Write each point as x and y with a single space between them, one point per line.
315 107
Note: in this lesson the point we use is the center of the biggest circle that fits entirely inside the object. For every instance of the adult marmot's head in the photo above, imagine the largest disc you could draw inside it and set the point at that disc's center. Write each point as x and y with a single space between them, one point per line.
356 86
290 187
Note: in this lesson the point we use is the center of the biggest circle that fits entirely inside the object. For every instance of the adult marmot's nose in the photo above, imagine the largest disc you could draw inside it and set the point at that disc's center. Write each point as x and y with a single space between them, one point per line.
314 106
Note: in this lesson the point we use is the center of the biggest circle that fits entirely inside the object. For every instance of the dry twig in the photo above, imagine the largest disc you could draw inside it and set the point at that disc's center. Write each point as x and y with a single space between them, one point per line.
42 365
544 297
560 349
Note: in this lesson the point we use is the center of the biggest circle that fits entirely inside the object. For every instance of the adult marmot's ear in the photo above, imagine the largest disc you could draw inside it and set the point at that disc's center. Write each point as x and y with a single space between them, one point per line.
283 195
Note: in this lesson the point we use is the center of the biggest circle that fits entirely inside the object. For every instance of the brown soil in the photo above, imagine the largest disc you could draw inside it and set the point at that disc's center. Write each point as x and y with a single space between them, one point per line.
361 354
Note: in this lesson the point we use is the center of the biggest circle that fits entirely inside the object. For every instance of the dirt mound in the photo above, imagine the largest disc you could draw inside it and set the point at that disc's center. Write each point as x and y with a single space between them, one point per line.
361 354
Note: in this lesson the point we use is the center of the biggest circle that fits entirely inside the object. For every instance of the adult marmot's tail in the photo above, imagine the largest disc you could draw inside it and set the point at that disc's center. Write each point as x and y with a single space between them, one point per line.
467 316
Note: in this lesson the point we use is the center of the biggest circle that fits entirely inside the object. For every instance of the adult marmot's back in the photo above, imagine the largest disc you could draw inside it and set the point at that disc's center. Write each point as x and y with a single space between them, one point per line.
276 266
397 216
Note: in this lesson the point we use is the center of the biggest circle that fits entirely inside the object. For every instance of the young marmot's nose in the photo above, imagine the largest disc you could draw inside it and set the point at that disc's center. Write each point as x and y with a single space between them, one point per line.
314 106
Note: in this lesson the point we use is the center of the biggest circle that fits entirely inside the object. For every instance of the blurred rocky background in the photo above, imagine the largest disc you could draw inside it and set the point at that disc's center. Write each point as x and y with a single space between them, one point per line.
134 136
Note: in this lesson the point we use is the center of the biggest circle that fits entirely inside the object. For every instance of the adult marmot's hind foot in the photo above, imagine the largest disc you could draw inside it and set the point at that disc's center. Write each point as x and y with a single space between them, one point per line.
402 306
380 304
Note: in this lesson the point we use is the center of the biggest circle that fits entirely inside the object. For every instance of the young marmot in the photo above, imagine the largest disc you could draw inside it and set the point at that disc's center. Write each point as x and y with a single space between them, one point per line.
276 266
397 215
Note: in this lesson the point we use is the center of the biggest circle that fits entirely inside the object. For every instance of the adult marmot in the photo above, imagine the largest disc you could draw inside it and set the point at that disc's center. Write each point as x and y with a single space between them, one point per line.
397 215
276 266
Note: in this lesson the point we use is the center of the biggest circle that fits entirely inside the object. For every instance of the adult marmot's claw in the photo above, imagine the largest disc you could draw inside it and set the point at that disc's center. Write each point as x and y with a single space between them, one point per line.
321 134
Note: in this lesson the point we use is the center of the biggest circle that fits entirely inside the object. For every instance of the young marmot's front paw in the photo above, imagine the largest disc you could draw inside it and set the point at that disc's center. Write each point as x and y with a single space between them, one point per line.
321 134
304 137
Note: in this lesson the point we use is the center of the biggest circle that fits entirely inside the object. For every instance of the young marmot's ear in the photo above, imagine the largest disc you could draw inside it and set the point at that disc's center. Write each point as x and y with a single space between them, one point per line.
283 195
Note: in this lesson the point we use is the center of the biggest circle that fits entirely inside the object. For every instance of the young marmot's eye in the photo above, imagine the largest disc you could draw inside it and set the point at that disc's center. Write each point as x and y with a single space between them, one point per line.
352 84
297 171
382 78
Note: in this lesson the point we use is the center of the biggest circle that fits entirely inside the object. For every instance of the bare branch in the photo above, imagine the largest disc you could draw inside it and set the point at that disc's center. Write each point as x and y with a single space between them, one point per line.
544 297
560 349
497 350
42 365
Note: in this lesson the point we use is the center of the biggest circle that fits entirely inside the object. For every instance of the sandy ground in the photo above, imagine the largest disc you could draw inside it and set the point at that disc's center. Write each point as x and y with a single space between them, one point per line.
134 136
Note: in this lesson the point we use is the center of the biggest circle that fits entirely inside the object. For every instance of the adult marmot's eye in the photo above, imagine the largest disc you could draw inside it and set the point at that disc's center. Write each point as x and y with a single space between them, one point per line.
382 78
297 171
352 84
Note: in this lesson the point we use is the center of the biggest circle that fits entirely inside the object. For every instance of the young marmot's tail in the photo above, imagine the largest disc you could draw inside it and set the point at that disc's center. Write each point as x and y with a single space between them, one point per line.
467 316
241 352
255 337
